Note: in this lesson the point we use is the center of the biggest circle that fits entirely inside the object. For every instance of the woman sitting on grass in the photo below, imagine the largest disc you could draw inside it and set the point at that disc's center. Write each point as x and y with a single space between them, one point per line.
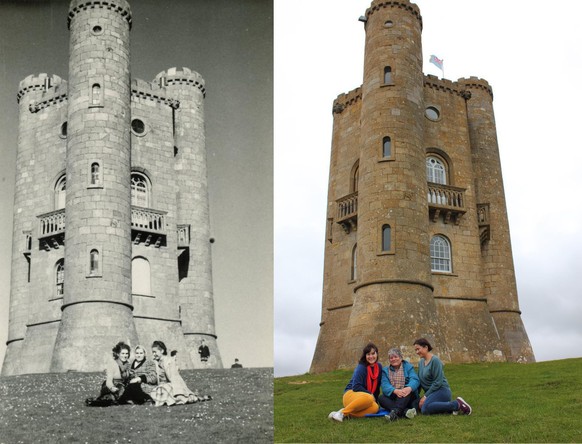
362 391
399 387
116 378
143 378
171 387
437 393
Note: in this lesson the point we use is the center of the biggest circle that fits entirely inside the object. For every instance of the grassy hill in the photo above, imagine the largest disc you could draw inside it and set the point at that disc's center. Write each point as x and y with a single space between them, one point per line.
539 402
50 408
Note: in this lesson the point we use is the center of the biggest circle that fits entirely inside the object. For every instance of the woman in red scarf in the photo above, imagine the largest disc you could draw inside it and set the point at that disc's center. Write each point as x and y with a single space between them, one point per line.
361 393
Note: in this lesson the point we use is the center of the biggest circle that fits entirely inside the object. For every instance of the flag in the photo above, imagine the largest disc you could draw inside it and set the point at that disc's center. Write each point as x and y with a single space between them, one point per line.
436 61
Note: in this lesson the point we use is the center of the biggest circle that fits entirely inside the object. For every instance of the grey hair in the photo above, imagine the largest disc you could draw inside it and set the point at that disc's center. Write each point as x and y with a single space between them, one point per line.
395 351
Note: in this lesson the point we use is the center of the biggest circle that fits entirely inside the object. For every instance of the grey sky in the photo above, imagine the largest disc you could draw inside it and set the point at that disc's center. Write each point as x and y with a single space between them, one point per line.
530 54
230 45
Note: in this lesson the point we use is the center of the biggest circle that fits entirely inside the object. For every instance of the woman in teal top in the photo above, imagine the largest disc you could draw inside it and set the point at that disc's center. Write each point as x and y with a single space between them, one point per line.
437 393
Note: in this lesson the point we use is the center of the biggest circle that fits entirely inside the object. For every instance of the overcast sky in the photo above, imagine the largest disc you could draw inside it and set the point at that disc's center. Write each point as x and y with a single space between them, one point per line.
530 53
230 45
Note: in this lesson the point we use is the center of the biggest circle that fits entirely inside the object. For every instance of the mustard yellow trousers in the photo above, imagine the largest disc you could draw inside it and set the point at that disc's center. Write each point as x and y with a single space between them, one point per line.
359 404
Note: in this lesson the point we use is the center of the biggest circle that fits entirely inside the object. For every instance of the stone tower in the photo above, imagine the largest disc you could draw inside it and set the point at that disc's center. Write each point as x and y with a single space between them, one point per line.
111 222
417 236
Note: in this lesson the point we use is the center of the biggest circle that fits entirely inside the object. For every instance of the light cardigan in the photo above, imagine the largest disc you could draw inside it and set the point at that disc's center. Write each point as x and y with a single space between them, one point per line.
113 374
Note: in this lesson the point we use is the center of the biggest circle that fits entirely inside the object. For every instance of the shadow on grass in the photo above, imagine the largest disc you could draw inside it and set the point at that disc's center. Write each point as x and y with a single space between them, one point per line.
50 408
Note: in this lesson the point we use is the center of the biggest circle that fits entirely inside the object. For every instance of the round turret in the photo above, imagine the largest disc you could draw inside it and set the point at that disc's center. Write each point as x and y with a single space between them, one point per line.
196 301
97 304
185 76
393 259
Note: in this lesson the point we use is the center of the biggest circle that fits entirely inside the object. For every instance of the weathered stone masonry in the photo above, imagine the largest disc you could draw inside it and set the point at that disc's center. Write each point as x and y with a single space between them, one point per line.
417 233
111 218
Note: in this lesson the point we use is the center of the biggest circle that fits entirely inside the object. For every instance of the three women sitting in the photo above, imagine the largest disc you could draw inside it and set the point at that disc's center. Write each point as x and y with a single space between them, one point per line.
143 380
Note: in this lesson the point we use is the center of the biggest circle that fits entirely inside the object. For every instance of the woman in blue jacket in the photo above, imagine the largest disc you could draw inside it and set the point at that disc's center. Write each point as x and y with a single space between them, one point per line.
399 387
437 393
362 391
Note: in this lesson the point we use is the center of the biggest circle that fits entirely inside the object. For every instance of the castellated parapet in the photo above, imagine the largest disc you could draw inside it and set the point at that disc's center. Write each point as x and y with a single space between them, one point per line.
111 221
417 239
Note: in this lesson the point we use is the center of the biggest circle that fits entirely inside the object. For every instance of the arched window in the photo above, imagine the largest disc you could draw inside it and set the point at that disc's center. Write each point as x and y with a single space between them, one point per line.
140 190
96 94
355 177
60 278
60 192
435 170
386 238
95 173
386 147
94 265
440 254
387 75
354 268
140 276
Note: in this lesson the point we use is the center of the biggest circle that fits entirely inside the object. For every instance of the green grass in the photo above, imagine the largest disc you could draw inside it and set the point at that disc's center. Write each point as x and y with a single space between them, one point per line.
539 402
50 408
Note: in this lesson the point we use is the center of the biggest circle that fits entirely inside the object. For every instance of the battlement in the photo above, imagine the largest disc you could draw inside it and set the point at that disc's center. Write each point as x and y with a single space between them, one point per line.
185 76
476 83
119 6
345 99
402 4
152 91
42 82
444 85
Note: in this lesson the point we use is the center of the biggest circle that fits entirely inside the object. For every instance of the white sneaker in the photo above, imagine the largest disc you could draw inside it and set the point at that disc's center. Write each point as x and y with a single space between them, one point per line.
330 416
410 413
337 416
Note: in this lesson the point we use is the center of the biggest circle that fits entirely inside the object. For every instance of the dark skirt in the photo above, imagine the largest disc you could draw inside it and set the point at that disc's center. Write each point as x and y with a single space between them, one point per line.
106 397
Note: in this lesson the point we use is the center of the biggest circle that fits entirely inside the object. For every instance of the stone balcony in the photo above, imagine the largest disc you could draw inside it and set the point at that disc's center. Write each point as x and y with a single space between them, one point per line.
446 200
51 229
147 226
347 212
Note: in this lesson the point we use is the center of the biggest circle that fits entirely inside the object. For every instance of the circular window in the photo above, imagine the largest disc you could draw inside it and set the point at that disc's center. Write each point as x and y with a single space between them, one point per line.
138 127
97 30
432 113
63 132
388 24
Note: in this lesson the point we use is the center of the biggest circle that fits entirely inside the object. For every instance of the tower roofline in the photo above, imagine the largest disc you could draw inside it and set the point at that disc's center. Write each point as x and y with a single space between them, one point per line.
403 4
184 76
345 99
477 83
121 6
38 82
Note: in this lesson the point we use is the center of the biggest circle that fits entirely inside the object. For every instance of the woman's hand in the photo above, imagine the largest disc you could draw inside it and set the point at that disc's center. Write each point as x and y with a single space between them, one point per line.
421 402
402 393
113 389
134 380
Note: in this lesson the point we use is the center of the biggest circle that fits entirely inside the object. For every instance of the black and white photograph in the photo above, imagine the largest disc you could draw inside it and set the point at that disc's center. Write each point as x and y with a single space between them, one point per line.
136 265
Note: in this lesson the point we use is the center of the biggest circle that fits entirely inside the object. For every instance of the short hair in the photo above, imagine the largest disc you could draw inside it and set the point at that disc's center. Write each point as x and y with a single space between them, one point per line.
367 349
423 343
161 346
395 351
140 347
118 347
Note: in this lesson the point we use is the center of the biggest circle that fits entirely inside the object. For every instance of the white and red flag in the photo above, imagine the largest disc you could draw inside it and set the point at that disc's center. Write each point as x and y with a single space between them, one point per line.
437 62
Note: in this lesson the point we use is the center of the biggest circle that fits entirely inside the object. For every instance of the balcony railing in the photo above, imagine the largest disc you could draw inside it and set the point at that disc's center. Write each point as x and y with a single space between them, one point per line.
347 212
148 226
448 200
51 229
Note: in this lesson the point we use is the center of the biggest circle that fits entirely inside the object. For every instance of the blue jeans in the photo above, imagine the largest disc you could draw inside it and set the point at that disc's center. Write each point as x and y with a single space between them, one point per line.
439 402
